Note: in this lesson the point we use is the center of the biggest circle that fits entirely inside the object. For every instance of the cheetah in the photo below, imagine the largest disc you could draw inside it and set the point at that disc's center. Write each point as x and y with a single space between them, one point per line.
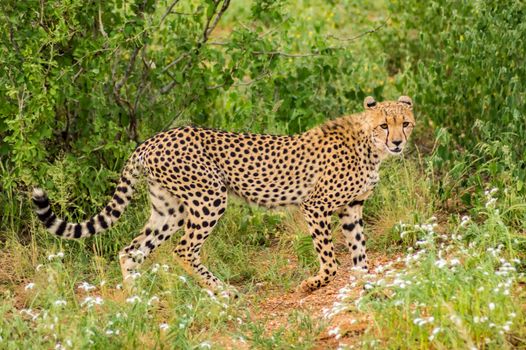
330 169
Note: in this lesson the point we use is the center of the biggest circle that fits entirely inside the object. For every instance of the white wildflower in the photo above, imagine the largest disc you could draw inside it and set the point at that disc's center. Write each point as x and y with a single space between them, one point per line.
133 299
91 301
454 262
491 306
440 263
86 286
335 332
464 221
134 275
29 286
155 268
164 326
30 313
60 302
59 255
205 345
152 300
368 286
434 332
423 321
456 320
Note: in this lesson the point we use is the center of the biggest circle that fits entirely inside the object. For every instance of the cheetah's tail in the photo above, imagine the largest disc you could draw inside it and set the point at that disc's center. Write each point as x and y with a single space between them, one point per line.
98 223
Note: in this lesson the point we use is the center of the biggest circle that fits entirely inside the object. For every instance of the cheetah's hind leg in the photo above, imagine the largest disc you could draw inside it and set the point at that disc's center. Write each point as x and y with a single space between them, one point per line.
201 220
167 217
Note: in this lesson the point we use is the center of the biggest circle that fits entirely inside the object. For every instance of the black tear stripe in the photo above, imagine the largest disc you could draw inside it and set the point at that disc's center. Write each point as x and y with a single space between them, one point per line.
387 138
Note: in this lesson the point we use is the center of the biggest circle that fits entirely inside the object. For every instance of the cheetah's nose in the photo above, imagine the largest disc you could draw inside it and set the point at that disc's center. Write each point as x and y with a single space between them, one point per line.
397 143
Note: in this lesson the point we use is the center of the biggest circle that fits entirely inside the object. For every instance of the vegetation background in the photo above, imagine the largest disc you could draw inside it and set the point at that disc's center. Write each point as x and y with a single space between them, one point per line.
82 83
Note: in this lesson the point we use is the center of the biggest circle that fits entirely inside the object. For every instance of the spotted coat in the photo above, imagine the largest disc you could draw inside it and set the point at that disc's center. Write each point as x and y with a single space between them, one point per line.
190 170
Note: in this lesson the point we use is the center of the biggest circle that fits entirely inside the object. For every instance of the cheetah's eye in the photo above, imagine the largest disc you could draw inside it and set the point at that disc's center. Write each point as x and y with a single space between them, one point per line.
405 124
383 126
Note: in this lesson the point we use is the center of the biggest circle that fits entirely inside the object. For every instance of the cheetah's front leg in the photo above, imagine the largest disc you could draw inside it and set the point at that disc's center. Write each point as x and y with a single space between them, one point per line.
352 227
319 228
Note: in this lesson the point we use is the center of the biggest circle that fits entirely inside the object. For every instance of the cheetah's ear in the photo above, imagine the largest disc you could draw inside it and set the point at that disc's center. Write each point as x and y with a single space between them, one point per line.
369 102
407 100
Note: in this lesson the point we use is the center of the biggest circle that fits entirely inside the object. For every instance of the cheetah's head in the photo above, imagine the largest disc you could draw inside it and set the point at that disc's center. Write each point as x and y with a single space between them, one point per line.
392 122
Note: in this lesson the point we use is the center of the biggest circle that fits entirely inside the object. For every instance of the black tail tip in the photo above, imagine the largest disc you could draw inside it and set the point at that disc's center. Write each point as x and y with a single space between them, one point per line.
40 198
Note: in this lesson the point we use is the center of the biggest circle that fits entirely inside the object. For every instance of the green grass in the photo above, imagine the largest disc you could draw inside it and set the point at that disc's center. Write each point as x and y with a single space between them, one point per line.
456 292
460 287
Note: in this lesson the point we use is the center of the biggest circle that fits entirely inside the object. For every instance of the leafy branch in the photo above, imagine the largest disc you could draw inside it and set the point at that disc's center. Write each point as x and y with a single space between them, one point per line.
211 24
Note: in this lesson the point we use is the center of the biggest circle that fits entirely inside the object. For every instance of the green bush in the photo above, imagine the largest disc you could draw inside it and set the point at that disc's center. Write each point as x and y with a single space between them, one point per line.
81 84
463 62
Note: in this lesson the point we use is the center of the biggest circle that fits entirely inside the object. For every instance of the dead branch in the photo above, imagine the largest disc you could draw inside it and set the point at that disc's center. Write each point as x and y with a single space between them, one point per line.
119 99
170 8
330 48
380 26
174 62
211 28
286 54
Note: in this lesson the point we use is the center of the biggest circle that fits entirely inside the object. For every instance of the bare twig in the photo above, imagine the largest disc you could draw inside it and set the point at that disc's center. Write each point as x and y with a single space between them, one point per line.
183 109
286 54
174 62
330 48
170 8
142 83
131 65
211 28
242 82
217 43
13 41
210 25
101 26
81 70
119 99
380 26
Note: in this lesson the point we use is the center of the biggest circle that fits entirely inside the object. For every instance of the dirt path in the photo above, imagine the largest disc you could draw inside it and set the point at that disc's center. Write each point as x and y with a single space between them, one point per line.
342 328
